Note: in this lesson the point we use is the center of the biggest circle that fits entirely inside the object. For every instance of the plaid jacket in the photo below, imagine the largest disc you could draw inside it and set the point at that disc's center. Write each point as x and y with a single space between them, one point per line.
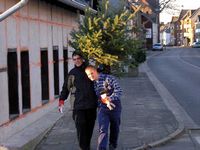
109 85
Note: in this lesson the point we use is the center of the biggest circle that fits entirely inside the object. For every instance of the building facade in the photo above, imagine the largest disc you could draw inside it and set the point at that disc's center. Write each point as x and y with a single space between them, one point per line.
147 19
184 29
195 20
34 59
165 34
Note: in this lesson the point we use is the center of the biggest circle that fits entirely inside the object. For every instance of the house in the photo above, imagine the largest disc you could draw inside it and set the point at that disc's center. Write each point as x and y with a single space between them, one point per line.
165 34
34 59
173 31
148 20
195 22
177 32
187 27
186 36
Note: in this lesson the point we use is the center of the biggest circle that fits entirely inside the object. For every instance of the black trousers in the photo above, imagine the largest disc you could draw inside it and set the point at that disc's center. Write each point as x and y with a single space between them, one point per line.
84 122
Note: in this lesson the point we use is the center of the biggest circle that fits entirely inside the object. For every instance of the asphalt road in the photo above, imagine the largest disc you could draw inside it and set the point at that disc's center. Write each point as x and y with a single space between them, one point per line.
179 71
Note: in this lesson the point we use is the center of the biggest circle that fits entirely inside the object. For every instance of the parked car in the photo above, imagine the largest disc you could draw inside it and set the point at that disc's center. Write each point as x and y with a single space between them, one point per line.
157 46
196 45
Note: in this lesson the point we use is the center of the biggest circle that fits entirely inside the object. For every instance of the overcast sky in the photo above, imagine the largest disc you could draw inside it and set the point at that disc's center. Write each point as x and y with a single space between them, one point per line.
187 4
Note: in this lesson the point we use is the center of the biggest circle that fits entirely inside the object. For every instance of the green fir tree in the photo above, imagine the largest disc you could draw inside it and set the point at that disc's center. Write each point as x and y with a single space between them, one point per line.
106 37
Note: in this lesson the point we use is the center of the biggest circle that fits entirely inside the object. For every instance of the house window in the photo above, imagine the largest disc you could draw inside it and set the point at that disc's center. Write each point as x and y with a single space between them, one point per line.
56 70
44 75
65 57
13 83
3 69
25 79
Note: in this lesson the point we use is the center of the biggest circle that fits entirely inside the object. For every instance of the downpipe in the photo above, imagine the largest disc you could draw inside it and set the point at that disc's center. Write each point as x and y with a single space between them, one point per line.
13 9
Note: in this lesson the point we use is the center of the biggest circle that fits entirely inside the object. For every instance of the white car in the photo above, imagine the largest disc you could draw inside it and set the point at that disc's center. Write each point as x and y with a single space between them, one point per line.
157 46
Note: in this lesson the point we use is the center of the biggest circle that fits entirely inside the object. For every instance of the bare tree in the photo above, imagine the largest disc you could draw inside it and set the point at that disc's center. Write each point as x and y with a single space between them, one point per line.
157 6
170 6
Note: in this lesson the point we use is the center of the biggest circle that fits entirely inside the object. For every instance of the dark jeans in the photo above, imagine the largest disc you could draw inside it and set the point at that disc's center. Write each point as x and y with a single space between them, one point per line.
84 122
108 118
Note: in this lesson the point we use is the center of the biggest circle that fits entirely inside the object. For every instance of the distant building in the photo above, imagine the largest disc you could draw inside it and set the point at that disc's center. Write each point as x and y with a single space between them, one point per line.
187 36
165 34
148 20
185 29
173 31
195 20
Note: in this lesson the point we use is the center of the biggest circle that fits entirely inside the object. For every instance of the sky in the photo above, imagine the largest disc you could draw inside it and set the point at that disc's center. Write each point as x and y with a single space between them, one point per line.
186 4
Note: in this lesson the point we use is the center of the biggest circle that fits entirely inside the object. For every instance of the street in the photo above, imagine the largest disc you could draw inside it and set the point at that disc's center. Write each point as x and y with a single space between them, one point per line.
179 71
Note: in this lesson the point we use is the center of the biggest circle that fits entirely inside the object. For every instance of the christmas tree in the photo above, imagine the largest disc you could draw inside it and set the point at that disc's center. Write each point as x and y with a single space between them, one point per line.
106 37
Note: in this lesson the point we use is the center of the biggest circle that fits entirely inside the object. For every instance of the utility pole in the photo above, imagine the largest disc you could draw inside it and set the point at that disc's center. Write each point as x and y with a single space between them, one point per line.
157 11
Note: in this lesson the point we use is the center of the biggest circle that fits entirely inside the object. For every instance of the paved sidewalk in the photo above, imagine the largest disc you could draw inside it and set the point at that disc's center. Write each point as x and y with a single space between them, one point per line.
145 120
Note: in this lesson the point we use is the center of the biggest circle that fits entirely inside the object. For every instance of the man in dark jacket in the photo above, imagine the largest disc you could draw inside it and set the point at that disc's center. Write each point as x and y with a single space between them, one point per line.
85 102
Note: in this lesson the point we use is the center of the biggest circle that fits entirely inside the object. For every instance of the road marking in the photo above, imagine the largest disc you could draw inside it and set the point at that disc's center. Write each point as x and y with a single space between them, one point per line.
197 67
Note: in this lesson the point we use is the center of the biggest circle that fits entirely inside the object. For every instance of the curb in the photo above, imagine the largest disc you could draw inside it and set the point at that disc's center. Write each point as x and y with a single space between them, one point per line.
32 144
30 137
164 140
192 137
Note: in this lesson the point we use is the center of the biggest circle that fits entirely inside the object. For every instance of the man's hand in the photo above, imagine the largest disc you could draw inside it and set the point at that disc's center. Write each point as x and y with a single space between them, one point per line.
110 105
60 106
106 100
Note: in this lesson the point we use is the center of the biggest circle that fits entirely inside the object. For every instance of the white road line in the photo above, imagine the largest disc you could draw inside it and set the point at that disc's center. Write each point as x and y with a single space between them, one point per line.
197 67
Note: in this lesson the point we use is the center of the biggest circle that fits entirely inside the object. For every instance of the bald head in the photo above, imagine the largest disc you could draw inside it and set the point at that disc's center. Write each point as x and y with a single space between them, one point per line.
92 73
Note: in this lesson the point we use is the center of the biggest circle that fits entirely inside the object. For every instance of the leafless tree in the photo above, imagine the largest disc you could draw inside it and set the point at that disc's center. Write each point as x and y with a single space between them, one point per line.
158 5
170 6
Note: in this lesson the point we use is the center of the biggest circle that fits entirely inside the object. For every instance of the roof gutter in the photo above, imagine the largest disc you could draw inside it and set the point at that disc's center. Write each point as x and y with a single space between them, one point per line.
76 4
13 9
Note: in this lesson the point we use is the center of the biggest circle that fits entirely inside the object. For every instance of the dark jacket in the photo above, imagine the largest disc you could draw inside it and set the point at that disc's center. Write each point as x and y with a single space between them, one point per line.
85 97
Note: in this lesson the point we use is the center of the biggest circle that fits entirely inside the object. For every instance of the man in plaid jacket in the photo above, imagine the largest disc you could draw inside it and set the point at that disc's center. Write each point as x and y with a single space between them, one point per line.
108 92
